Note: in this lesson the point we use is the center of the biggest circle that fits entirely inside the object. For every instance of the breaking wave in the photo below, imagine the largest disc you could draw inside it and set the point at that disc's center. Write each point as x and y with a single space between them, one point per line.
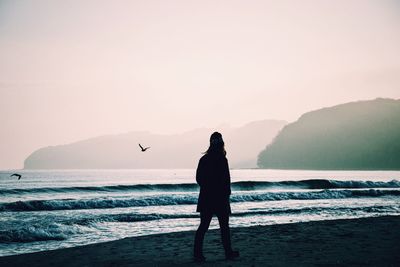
39 232
191 187
62 231
184 199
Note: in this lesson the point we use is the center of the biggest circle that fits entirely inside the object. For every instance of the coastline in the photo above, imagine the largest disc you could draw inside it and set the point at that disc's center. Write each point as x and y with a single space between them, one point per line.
373 241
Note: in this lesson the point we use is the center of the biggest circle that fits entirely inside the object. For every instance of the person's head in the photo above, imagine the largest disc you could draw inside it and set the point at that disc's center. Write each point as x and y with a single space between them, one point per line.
217 145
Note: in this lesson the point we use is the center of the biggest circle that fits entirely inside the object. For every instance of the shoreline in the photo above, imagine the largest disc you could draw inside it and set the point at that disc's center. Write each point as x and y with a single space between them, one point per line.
373 241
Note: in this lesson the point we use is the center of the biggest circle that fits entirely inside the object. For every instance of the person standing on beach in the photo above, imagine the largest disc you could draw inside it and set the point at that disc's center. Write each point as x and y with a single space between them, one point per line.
214 179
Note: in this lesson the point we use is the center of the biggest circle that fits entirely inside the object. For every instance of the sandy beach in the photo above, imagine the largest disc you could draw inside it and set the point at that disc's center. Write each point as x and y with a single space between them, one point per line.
351 242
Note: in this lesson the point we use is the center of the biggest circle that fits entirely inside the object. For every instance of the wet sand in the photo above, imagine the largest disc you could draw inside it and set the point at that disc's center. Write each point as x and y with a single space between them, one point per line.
351 242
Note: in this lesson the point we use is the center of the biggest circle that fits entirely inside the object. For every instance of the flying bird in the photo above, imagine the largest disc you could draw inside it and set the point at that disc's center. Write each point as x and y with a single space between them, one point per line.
16 174
143 149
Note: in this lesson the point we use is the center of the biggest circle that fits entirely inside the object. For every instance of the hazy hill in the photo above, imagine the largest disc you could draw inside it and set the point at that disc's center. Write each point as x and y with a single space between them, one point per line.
167 151
359 135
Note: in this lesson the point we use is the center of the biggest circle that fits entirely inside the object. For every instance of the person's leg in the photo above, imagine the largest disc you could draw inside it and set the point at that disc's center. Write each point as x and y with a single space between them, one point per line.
223 220
205 219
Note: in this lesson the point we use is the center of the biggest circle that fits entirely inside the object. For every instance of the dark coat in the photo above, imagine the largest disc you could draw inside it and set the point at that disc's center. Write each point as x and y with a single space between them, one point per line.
214 179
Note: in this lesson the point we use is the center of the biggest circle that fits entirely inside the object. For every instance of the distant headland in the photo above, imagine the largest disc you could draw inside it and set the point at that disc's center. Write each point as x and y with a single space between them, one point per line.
167 151
362 135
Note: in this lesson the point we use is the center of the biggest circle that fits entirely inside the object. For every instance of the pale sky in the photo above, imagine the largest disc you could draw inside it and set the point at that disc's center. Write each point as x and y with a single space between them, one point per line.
71 70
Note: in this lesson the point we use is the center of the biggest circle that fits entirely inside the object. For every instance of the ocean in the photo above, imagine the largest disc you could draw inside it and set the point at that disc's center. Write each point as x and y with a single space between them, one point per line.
51 209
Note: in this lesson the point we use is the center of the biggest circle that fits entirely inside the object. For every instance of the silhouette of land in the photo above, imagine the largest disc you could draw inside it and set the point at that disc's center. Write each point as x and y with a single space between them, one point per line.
119 151
352 242
360 135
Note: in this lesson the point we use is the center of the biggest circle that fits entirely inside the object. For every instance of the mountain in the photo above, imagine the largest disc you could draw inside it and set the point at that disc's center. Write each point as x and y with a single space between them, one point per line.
167 151
362 135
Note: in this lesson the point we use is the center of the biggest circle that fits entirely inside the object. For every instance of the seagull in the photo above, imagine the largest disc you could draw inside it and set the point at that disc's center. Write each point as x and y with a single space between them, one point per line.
16 174
143 149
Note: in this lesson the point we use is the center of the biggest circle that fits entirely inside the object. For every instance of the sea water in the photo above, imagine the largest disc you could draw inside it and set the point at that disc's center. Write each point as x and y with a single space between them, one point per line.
50 209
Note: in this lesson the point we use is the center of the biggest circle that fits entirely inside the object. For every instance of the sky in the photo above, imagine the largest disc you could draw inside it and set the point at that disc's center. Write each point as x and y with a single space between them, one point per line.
71 70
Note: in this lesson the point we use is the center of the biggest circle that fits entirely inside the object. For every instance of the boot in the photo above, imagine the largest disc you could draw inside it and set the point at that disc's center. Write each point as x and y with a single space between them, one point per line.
231 255
199 258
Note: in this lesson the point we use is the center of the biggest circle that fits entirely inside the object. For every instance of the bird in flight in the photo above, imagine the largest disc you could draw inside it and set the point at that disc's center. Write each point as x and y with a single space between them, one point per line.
16 174
143 148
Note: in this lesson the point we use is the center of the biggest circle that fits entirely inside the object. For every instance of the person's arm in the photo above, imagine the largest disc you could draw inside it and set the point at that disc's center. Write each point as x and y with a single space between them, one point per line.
200 173
227 177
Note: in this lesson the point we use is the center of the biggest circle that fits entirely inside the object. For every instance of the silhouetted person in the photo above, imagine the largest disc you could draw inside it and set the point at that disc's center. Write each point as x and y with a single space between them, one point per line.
214 180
